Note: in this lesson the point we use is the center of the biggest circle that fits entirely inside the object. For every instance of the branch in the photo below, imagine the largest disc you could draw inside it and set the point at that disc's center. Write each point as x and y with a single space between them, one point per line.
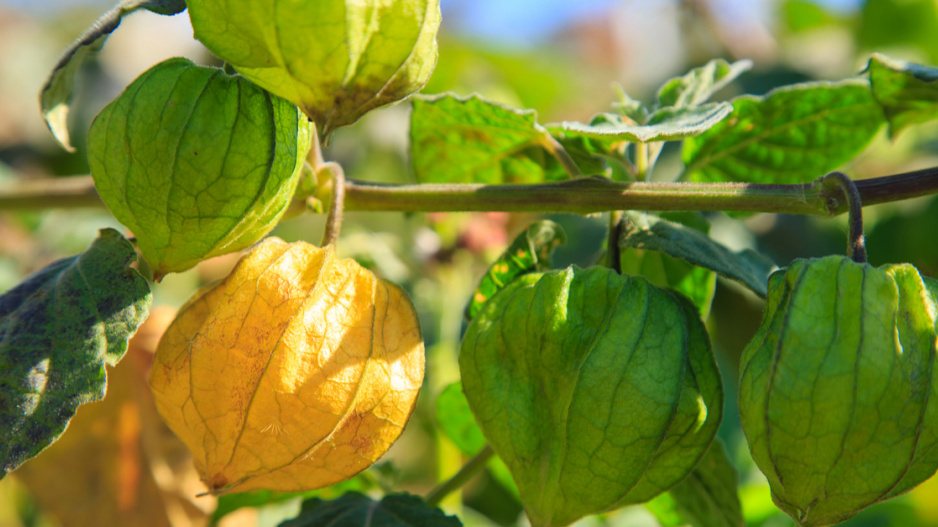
577 196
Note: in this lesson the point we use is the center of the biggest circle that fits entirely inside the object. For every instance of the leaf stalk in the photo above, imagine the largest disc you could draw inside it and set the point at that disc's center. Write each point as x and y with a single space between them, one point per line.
467 472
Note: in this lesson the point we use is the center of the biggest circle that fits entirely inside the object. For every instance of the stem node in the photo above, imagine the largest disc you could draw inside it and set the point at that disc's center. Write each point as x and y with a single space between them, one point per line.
834 187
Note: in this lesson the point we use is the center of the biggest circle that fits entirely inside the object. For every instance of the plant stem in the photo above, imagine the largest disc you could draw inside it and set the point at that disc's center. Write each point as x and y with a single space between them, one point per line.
612 241
470 469
841 186
553 146
586 195
334 219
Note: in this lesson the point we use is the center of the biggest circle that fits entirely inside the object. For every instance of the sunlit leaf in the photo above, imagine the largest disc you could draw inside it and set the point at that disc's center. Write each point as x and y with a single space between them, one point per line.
666 124
907 92
471 140
357 510
530 251
58 330
56 94
698 85
793 134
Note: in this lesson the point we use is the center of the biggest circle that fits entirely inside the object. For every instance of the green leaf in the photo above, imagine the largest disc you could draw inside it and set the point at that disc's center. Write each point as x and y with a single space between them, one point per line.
335 59
696 283
598 390
707 497
228 503
793 134
471 140
805 15
195 162
650 233
58 330
457 422
902 24
666 124
698 85
357 510
530 251
56 94
907 92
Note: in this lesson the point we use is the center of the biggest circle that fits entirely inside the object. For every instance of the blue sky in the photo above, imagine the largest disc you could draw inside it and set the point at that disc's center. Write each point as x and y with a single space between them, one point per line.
506 20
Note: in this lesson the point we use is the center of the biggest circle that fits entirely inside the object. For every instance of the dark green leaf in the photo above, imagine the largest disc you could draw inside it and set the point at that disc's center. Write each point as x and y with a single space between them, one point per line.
530 251
696 87
57 92
791 135
647 232
228 503
907 92
459 425
471 140
357 510
707 497
666 124
58 330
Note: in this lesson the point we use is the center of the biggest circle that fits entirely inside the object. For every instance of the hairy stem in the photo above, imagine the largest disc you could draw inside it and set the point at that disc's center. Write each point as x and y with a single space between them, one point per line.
586 195
470 469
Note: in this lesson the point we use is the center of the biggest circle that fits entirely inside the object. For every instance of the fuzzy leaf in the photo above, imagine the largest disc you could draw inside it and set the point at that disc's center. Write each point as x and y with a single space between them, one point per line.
598 390
696 87
335 59
907 92
529 252
666 124
58 330
793 134
195 162
56 94
471 140
647 232
357 510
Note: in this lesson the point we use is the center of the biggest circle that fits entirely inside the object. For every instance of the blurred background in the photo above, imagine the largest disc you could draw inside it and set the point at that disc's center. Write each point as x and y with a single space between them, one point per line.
119 466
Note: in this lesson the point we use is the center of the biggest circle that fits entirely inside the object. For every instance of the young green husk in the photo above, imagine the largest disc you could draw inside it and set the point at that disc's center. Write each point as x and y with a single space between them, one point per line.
837 388
196 162
598 390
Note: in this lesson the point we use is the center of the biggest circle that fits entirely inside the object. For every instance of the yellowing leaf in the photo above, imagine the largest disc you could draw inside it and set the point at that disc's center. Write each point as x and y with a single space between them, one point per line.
297 371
